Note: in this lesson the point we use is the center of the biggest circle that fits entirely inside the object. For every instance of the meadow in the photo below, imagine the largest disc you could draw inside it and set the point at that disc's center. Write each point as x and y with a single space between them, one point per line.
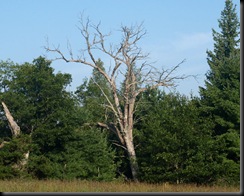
92 186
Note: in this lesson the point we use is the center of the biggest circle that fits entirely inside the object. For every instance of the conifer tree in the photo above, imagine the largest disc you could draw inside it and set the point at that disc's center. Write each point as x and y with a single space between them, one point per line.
220 98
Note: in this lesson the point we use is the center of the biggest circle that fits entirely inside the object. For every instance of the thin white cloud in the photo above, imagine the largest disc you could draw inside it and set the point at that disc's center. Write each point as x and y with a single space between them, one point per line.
192 41
191 47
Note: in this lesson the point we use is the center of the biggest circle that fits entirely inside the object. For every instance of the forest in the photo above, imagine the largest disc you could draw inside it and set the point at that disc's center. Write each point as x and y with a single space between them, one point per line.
130 129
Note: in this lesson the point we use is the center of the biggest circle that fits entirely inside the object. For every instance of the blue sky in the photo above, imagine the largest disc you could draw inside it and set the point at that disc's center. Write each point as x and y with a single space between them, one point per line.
176 30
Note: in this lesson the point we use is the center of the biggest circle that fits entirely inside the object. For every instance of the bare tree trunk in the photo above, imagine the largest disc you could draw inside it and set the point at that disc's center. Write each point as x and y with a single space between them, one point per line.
133 160
15 129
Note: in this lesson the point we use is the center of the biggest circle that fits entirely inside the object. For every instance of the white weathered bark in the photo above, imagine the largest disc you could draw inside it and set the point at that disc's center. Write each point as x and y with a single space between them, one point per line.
15 129
132 158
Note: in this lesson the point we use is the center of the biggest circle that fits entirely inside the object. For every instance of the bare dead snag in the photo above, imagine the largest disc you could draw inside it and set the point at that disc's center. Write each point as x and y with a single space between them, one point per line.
15 129
130 63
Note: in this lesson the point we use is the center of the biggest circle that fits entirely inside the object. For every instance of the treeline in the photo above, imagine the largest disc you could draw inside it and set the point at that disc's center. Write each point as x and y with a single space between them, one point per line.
177 139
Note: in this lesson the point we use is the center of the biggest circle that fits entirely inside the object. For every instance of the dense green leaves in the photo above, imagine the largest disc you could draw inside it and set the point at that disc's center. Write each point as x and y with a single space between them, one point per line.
52 117
35 93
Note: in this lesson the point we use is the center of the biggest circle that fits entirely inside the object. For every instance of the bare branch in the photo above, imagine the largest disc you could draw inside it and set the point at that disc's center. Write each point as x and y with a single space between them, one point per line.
121 146
108 100
164 78
115 109
114 129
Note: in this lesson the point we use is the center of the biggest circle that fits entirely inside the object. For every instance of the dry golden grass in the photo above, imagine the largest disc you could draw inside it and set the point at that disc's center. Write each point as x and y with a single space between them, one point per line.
87 186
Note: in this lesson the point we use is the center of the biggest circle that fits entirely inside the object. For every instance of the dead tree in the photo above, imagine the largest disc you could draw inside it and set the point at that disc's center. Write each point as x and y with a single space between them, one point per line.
128 62
15 129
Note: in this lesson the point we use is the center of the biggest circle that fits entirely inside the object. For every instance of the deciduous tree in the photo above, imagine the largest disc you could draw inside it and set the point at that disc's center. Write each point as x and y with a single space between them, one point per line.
49 117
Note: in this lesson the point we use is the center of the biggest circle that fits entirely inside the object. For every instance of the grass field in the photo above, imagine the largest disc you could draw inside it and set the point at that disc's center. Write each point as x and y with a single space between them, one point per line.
88 186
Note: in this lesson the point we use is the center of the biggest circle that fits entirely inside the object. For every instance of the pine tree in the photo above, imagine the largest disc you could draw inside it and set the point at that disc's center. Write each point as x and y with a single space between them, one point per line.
220 98
91 97
174 144
222 93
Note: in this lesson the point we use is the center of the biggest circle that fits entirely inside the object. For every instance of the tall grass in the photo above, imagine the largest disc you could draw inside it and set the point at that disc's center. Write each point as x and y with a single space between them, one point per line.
88 186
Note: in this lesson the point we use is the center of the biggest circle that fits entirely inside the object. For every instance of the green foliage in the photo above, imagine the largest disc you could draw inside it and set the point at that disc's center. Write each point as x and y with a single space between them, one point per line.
11 155
36 95
52 118
177 139
96 155
220 99
80 154
91 95
227 146
174 143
